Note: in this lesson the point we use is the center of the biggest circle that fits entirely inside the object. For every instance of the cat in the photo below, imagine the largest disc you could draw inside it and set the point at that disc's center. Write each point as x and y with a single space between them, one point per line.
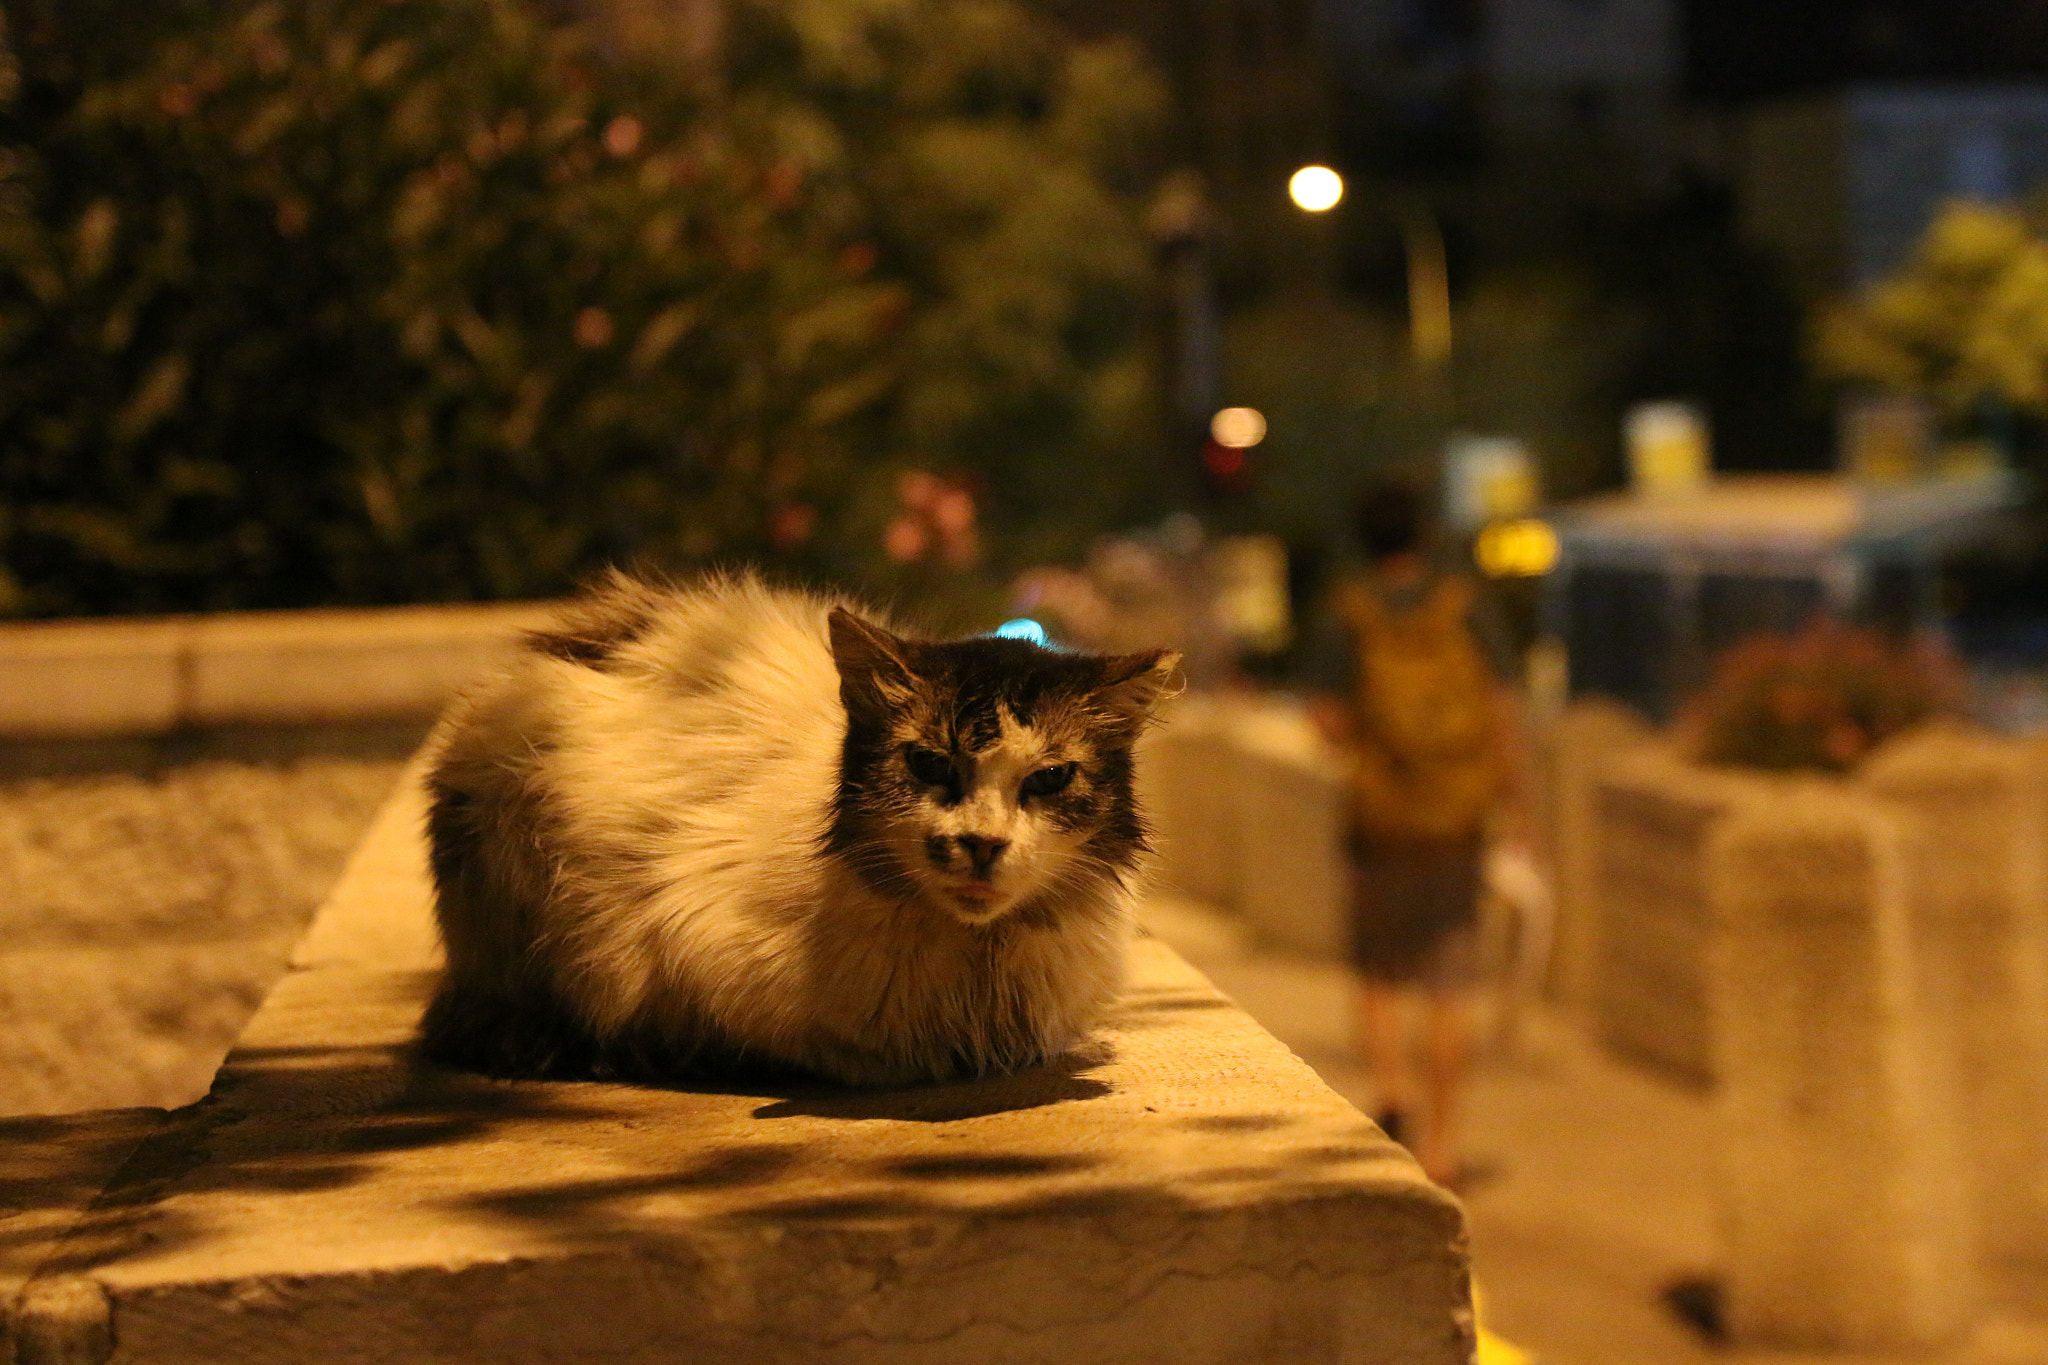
724 824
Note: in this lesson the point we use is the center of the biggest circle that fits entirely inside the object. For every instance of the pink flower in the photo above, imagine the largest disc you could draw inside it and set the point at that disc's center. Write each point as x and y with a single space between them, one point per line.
952 510
622 135
917 490
791 524
904 540
593 328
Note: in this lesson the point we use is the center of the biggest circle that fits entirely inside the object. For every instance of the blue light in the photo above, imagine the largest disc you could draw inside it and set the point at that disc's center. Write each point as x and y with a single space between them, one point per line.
1024 628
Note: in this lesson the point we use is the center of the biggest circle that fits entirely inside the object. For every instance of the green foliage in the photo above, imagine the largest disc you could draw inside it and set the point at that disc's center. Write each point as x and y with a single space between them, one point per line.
351 300
1963 322
1822 699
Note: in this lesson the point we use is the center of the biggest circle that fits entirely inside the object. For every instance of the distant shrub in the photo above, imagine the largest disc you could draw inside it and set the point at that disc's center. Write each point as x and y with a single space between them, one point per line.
348 300
1962 322
1821 699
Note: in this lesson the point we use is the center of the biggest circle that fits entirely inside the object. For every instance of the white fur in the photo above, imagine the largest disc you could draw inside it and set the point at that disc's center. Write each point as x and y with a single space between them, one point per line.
661 828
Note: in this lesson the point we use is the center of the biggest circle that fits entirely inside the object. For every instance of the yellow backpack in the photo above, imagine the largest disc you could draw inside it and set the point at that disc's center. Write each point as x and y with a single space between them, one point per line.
1429 760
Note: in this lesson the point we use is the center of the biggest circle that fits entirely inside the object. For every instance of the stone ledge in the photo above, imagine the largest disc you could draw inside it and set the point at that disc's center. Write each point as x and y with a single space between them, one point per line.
1182 1190
149 676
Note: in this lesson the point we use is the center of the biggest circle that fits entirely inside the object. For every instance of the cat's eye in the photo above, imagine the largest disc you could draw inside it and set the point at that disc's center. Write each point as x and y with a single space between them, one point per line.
929 767
1049 781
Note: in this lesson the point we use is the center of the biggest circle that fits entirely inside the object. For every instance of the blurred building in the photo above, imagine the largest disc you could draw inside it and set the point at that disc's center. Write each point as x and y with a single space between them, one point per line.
1651 590
1842 184
1568 68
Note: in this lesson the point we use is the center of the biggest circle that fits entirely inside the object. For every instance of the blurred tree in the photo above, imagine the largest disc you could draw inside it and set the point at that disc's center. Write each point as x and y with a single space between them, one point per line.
1963 323
355 301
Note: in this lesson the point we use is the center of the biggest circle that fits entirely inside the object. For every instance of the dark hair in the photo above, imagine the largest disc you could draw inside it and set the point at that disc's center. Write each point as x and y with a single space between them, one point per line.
1389 519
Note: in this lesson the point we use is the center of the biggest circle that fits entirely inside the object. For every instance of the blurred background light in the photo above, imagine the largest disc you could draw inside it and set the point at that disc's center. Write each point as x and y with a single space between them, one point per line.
1523 548
1315 188
1238 428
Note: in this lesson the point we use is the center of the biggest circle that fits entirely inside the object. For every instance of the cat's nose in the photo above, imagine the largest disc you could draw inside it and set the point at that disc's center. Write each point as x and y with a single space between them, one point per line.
982 851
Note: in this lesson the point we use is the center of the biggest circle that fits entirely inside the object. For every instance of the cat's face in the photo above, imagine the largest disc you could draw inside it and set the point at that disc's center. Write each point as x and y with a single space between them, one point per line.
981 773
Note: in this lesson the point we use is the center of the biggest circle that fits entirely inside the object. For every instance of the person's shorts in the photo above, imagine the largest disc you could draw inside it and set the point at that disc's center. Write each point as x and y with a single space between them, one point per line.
1415 912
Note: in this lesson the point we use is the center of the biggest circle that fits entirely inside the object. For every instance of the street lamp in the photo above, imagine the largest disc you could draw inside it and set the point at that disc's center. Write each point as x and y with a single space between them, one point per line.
1315 188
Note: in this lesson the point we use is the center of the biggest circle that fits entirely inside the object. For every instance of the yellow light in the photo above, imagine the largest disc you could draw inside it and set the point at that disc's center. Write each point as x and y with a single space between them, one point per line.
1315 188
1522 548
1238 428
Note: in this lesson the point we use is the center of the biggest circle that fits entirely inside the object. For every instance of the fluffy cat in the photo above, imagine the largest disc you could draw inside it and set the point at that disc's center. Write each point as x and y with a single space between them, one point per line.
730 824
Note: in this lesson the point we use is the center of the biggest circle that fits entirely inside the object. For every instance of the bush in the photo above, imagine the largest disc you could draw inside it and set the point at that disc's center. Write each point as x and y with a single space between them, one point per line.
1964 322
1821 699
355 301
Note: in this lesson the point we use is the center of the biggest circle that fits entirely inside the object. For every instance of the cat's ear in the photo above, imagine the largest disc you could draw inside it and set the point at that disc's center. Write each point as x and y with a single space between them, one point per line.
1132 684
874 666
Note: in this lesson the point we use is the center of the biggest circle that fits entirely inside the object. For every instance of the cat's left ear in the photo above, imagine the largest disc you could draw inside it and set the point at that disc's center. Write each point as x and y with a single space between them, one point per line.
1132 684
873 665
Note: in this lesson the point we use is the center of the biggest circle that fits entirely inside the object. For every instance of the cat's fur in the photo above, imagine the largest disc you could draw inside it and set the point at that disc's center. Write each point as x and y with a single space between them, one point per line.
685 831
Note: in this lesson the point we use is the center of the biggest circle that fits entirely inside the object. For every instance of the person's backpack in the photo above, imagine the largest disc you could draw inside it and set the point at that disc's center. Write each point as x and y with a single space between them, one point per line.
1429 762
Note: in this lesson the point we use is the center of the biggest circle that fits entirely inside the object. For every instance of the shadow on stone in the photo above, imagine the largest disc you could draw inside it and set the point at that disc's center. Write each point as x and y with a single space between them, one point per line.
1698 1302
1055 1082
726 1168
994 1165
1236 1123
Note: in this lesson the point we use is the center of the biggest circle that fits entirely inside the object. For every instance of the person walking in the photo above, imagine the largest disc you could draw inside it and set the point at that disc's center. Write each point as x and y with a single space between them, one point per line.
1410 676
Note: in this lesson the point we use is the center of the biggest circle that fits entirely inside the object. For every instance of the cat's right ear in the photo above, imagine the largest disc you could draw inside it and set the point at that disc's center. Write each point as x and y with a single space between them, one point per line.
874 667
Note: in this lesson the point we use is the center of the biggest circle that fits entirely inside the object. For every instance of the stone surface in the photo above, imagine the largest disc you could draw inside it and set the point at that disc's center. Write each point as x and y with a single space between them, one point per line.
89 677
1593 1184
1846 1207
51 1170
1182 779
1650 999
1980 937
1292 805
1577 748
121 677
1250 810
147 914
1181 1189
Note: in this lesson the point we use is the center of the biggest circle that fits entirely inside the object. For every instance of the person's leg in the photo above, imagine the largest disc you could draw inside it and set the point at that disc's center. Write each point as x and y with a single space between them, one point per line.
1383 1041
1446 1052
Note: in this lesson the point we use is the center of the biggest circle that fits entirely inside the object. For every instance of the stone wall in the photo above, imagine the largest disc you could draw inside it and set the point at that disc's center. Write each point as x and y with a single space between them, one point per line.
1249 808
1859 967
1980 929
1649 997
1574 752
1841 1180
1179 1190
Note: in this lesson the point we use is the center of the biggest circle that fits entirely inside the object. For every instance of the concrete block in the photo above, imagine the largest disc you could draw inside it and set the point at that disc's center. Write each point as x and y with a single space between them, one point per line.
69 678
1251 811
52 1168
1648 993
1980 932
259 667
1179 1190
1293 818
1578 746
1186 780
1846 1213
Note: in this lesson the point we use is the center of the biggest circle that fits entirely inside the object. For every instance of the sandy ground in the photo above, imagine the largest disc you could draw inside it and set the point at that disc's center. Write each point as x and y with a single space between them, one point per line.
1591 1194
143 916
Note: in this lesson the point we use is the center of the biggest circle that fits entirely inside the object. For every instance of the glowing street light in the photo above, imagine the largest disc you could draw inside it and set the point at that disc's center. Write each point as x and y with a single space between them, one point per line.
1521 548
1238 428
1315 188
